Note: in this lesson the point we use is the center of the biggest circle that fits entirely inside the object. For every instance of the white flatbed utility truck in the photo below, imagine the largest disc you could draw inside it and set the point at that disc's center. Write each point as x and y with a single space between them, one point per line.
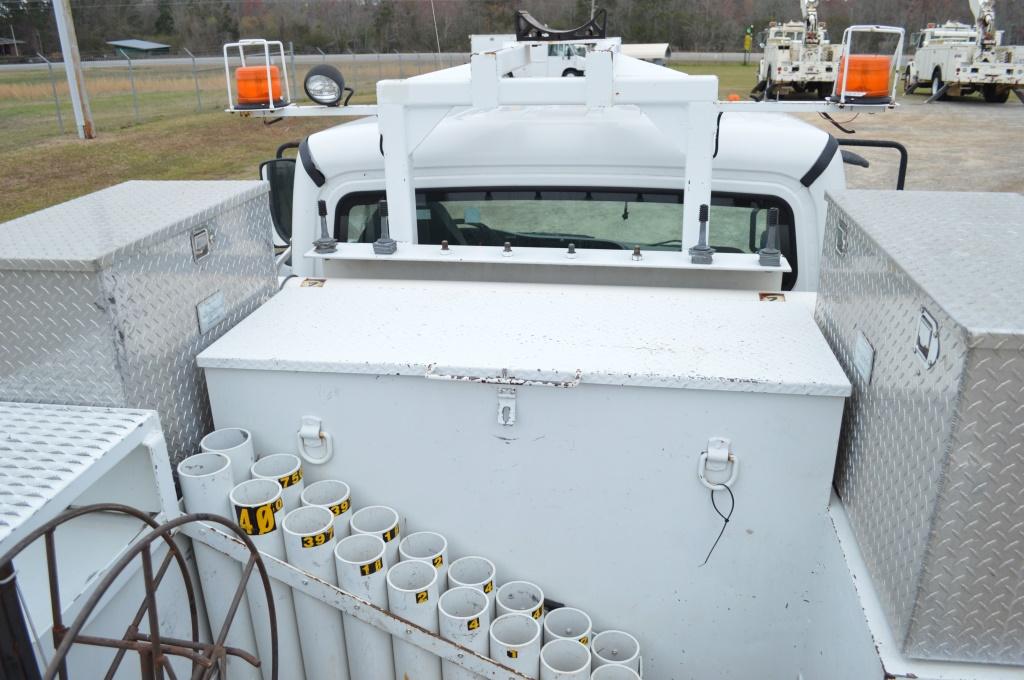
545 318
799 59
957 59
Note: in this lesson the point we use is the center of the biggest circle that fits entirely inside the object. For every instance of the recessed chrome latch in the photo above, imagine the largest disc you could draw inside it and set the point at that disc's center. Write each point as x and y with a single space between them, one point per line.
315 446
927 345
506 406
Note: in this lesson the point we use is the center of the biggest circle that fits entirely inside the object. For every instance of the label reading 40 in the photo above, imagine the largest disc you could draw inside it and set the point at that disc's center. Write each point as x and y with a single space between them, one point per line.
259 520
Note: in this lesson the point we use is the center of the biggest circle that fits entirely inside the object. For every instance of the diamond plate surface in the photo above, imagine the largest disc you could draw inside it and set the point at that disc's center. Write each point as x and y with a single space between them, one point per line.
930 459
44 448
127 335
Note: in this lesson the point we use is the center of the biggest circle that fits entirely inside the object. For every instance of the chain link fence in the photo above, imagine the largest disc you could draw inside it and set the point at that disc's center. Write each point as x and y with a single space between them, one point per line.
34 101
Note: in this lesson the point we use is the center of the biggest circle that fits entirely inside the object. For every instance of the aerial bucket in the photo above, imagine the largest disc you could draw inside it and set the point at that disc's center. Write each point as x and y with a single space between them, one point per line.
866 75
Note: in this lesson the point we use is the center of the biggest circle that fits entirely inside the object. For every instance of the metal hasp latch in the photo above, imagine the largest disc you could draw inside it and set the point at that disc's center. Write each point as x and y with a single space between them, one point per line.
315 446
718 458
506 406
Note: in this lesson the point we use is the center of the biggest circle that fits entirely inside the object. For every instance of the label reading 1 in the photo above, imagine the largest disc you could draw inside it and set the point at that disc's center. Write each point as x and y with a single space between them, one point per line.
289 480
391 534
372 567
489 586
341 508
422 597
438 561
259 520
537 612
512 653
473 624
318 539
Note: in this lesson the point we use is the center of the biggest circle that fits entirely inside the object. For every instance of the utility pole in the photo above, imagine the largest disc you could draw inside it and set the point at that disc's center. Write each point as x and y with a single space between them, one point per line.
14 41
73 67
593 9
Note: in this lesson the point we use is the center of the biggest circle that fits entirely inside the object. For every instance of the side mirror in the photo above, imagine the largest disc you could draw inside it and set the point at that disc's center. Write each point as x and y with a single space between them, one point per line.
280 173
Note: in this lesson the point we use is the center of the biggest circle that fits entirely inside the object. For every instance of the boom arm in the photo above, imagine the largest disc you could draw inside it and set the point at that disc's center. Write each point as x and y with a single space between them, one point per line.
809 9
984 18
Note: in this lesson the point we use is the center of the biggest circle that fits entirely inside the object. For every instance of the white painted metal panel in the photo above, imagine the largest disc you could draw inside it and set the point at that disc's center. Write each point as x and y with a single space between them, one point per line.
593 493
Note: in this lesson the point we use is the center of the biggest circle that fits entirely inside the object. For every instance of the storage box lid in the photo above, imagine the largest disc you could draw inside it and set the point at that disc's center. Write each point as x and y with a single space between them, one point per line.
86 233
681 338
962 249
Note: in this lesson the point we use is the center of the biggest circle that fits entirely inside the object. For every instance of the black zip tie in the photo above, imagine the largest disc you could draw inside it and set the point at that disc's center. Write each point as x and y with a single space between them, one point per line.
725 518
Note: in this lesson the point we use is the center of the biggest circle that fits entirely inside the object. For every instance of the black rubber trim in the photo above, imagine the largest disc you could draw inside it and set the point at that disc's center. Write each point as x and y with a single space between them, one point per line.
901 175
718 132
309 165
827 154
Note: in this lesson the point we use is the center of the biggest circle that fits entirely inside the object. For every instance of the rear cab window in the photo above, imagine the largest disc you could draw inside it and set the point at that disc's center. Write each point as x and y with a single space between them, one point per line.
553 217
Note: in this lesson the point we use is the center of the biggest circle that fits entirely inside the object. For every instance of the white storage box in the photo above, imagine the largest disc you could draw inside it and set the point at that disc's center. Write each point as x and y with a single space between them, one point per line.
557 431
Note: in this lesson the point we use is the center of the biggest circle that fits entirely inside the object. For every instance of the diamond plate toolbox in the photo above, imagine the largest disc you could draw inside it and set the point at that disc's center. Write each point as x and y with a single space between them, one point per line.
105 300
920 298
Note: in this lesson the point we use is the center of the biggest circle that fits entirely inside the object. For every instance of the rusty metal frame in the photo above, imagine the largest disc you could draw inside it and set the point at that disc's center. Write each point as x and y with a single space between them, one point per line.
153 649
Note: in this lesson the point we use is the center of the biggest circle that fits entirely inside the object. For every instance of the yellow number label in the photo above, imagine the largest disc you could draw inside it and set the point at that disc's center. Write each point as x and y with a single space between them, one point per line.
512 653
289 480
259 520
438 561
584 640
318 539
489 586
422 597
391 534
371 567
341 508
537 612
473 624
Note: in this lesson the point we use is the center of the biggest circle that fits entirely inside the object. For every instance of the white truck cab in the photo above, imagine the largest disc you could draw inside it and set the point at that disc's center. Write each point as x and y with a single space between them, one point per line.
535 178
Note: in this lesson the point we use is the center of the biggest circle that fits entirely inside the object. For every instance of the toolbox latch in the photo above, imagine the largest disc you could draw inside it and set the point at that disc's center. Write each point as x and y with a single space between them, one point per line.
506 406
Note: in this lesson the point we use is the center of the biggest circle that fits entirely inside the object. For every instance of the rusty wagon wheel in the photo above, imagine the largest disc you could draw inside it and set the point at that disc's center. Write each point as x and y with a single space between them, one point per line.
153 649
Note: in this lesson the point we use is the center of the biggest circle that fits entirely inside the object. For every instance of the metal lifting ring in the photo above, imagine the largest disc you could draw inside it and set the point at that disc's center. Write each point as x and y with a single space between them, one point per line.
717 486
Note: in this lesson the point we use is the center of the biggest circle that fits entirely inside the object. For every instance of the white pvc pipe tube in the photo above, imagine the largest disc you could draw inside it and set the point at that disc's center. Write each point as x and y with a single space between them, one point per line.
286 470
362 570
564 659
257 506
521 597
463 618
309 543
616 647
413 596
381 521
614 672
336 497
236 444
567 622
515 642
474 572
427 546
206 480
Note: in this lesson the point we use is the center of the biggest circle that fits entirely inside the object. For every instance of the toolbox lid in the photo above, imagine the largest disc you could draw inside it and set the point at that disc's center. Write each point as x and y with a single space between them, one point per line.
962 249
86 233
473 331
